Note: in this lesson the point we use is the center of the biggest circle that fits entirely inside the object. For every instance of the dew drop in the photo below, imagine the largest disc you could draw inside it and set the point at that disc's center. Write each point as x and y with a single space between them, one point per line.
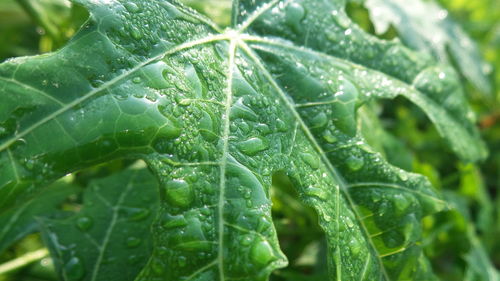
317 192
135 33
311 160
246 240
206 125
262 253
135 214
355 163
281 126
133 242
320 120
179 193
84 223
402 175
131 7
157 267
329 137
137 80
252 146
74 269
294 14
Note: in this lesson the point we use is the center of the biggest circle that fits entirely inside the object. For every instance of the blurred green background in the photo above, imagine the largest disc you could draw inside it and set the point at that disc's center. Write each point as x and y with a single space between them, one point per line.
458 242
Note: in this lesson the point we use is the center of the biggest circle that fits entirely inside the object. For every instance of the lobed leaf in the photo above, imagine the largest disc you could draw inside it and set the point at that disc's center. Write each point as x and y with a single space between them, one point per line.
215 115
414 20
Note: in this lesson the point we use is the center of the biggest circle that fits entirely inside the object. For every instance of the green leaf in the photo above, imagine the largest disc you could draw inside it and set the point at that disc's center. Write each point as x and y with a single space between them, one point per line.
215 115
424 25
109 238
21 220
479 266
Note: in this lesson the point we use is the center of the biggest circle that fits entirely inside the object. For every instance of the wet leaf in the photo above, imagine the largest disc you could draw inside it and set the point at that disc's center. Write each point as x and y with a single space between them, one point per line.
216 114
424 25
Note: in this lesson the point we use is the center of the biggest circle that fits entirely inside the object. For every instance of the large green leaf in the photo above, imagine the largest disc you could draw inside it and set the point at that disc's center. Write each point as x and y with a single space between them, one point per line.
215 115
111 231
424 25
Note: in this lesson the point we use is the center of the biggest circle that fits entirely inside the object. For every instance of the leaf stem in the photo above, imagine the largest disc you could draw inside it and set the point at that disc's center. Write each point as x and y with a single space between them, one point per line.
23 260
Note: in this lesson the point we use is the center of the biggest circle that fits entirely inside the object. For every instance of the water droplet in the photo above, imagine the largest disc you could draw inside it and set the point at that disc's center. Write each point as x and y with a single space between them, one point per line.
194 81
294 15
246 240
311 160
329 137
84 223
170 222
206 125
137 80
74 269
262 253
348 222
135 33
317 192
345 108
131 7
403 175
355 163
133 242
179 193
401 202
135 214
355 247
252 146
158 267
281 126
320 120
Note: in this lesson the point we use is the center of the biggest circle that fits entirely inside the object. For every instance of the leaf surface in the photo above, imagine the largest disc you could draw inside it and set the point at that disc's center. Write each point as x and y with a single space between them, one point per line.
424 25
21 221
109 238
215 115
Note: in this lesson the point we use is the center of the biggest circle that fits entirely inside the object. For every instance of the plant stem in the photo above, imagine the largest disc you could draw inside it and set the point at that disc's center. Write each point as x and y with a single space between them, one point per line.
23 260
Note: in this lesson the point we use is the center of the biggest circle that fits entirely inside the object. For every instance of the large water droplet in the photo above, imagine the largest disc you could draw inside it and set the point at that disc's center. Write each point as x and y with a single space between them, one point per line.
403 175
135 214
317 192
84 223
194 81
179 193
246 240
135 33
252 146
320 120
311 160
329 137
74 269
262 253
133 242
355 163
294 15
207 127
131 7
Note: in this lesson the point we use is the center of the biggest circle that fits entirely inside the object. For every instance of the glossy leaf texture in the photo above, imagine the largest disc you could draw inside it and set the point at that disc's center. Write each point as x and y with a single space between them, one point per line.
109 238
415 19
215 114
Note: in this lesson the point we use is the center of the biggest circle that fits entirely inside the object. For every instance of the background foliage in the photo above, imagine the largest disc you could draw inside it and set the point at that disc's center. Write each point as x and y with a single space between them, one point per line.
458 242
